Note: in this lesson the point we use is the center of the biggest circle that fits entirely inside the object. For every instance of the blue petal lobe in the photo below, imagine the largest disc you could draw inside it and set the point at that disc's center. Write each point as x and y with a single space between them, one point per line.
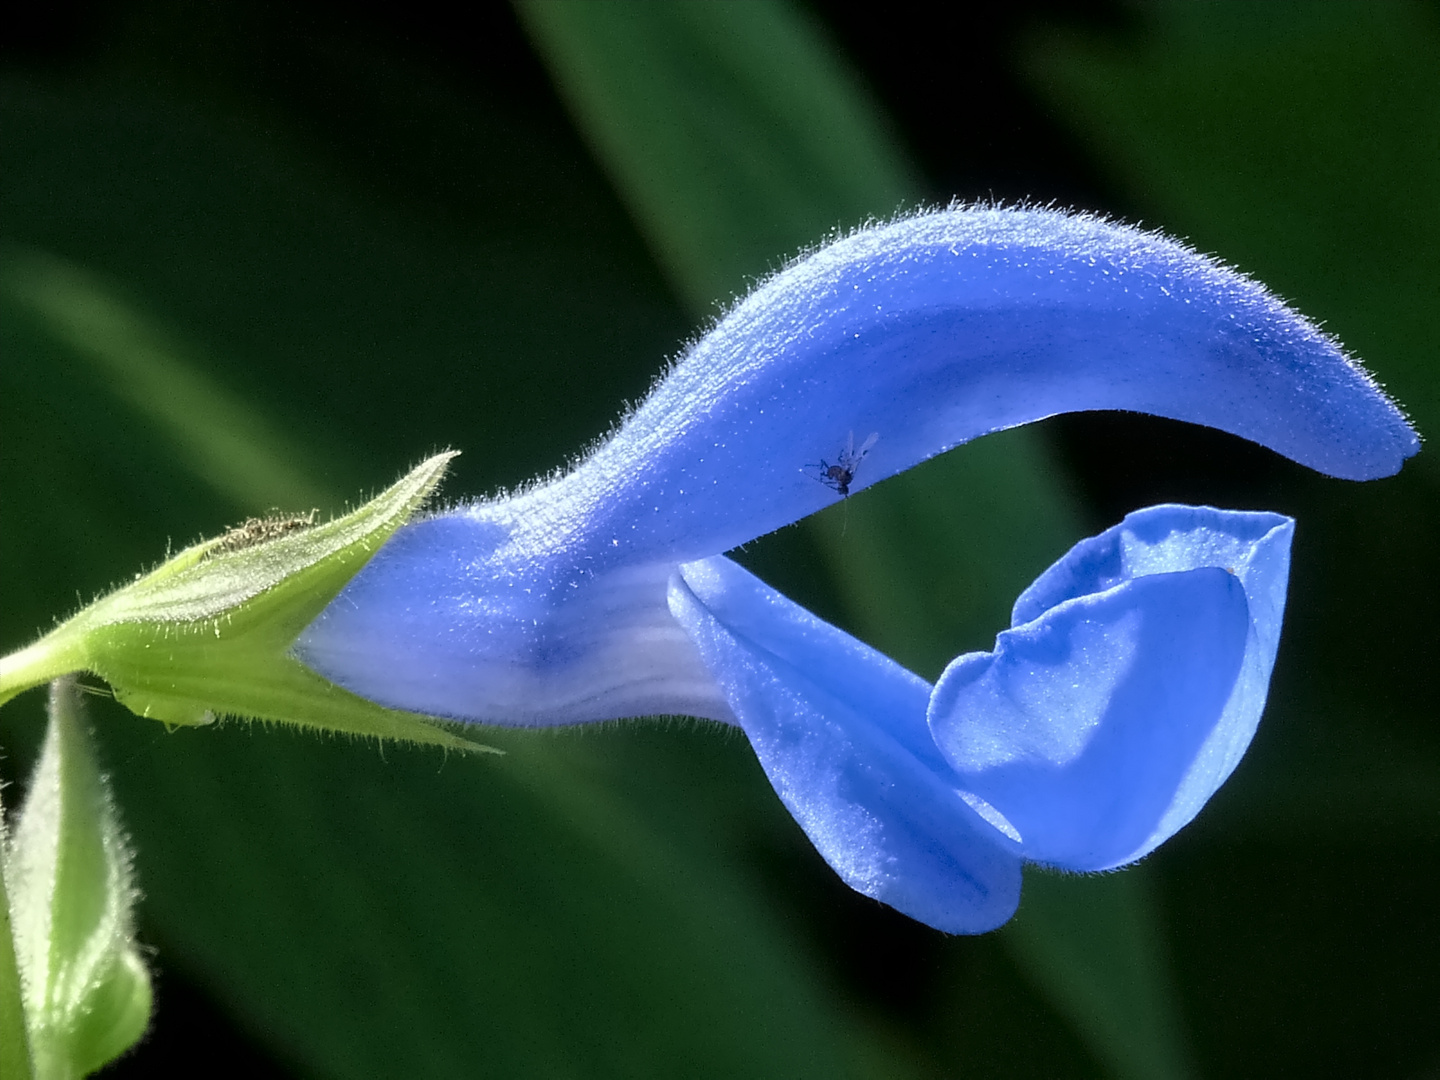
840 731
1128 688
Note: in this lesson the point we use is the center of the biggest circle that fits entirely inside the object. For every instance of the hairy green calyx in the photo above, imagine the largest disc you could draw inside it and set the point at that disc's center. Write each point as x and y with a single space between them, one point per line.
208 632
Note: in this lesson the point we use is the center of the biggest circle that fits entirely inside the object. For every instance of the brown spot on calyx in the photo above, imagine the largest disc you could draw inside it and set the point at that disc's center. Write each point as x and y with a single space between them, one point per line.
259 530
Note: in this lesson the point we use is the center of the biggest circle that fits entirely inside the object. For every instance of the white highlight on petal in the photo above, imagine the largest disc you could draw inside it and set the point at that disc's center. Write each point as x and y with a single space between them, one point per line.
990 814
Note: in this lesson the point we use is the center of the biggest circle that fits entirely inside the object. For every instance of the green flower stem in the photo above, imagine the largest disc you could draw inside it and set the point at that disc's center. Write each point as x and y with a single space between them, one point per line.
14 1040
56 654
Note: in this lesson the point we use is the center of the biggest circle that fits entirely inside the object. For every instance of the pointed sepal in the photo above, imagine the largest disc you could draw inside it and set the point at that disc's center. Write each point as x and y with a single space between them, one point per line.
85 988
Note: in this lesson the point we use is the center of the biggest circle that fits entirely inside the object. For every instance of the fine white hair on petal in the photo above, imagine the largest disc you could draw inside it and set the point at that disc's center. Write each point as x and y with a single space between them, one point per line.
937 328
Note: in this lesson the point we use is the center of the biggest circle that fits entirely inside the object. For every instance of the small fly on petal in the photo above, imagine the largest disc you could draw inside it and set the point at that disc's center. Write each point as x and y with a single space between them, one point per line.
839 476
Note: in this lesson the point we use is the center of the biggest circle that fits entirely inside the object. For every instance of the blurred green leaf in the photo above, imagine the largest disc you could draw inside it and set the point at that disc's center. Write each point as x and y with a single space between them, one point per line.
734 132
1096 944
68 871
737 136
231 447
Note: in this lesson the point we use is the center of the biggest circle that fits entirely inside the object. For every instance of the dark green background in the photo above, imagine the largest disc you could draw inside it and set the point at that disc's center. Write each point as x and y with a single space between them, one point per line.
363 232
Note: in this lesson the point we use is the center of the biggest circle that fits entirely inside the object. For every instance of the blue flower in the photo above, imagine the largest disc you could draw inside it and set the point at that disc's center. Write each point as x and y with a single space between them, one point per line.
1135 670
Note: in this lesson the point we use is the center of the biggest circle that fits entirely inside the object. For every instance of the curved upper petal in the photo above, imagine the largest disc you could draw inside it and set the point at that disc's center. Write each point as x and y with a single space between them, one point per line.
1128 688
907 338
840 730
933 330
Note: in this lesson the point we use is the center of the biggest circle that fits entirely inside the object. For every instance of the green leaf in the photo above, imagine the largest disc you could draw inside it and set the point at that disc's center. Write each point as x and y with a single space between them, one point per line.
68 868
207 633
